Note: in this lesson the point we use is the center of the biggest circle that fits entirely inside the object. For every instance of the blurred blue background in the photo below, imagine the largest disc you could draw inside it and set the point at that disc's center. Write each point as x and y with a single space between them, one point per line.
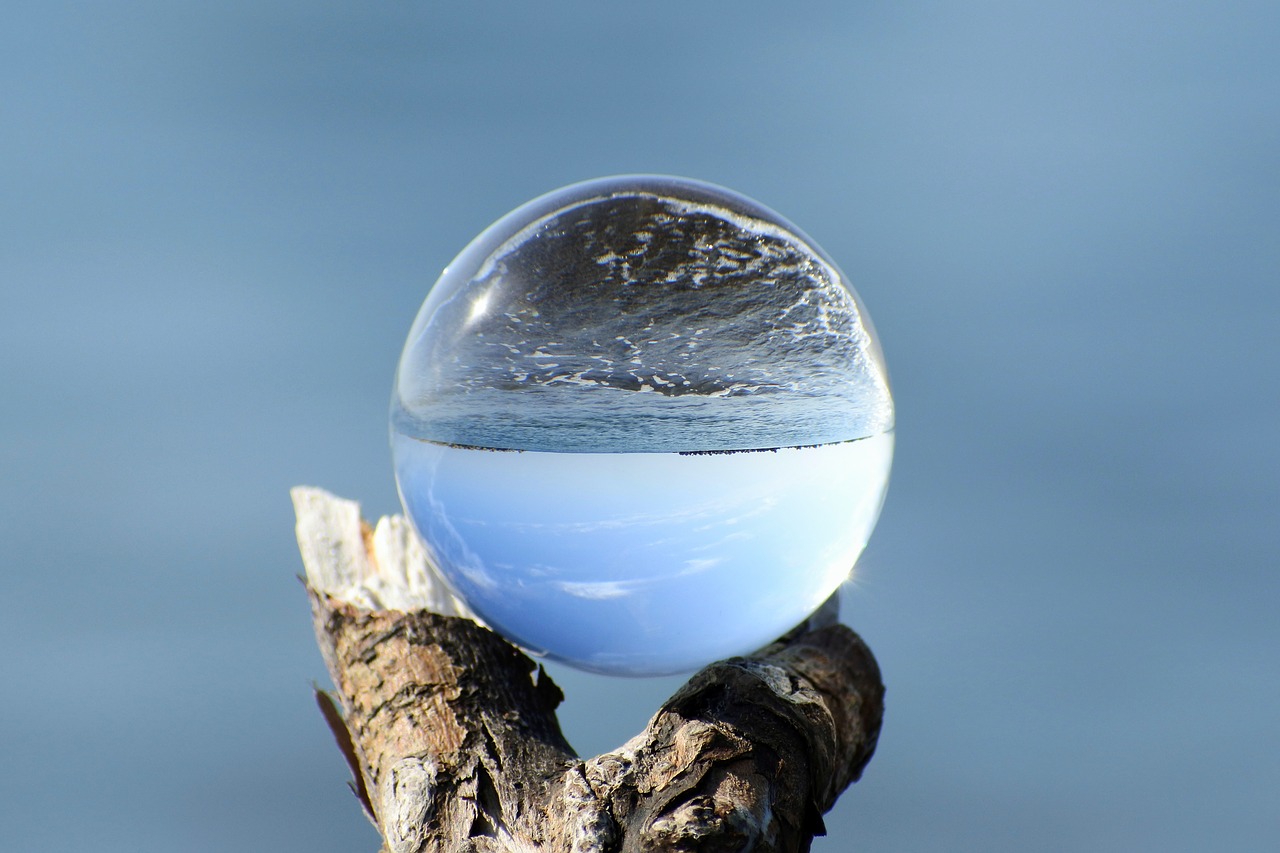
218 221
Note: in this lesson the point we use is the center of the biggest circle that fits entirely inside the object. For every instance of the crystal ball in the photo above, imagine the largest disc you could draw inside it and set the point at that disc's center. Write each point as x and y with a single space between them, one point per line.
642 423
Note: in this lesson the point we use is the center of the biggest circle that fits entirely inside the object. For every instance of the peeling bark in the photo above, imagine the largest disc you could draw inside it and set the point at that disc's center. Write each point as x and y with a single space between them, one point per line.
453 741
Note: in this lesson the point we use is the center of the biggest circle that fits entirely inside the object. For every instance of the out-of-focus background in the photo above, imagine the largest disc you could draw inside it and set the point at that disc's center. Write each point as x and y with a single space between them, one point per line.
218 220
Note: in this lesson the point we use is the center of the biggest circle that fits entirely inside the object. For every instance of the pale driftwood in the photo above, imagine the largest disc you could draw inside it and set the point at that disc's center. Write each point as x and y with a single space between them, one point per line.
452 737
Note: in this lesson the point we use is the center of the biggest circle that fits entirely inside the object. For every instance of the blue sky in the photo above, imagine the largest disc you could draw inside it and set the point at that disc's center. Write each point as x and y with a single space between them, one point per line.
644 562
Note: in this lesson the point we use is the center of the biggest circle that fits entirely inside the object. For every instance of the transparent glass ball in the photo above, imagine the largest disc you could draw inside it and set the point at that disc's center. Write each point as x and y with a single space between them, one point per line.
642 423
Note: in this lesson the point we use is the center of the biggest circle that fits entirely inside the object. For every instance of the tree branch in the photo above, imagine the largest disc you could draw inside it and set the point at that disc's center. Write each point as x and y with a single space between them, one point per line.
453 741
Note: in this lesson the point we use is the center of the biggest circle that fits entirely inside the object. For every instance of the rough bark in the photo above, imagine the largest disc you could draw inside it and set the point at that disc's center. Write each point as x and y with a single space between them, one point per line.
453 742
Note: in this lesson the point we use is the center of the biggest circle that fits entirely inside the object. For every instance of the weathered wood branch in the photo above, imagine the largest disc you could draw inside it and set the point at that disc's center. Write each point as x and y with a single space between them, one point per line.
452 737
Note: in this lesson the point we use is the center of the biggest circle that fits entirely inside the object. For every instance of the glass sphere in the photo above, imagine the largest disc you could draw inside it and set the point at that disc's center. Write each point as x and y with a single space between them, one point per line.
642 423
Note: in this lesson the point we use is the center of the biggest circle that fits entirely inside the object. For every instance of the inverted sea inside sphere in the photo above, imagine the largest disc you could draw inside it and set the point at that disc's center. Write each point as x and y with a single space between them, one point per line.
642 423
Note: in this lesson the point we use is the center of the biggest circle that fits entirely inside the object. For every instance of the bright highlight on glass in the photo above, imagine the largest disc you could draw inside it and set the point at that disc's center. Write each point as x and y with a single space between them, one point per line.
642 423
